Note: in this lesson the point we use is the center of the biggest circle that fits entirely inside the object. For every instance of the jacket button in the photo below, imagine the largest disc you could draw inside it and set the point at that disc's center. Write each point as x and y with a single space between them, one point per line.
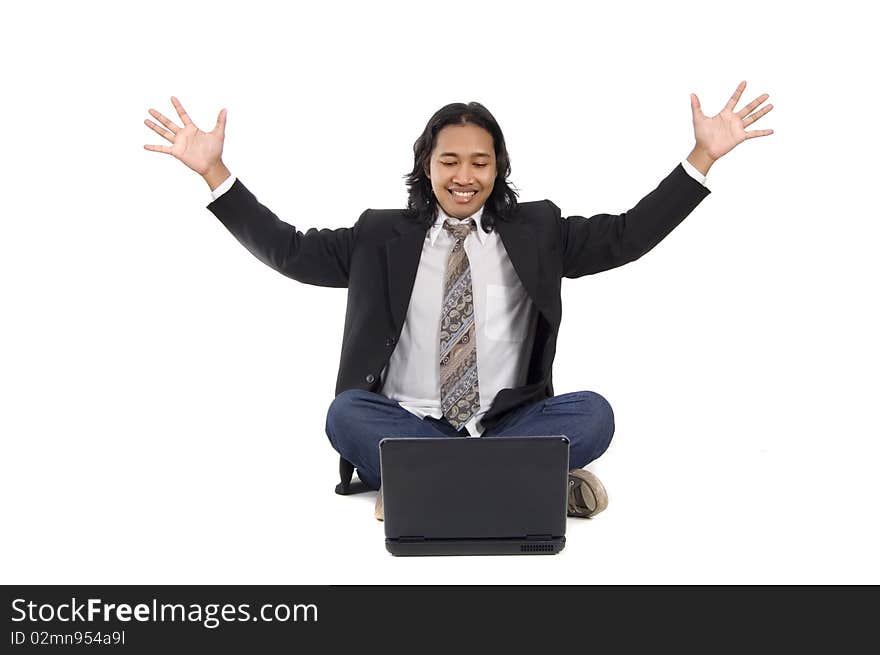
371 378
389 341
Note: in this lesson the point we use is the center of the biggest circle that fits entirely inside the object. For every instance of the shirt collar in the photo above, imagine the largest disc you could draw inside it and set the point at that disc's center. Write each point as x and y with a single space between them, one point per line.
442 216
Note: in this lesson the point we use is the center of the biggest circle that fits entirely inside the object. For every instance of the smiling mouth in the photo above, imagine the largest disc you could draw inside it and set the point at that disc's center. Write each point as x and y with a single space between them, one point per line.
462 197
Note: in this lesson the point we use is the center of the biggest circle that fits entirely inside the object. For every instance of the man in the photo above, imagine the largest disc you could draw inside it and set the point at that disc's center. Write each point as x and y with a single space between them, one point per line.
454 303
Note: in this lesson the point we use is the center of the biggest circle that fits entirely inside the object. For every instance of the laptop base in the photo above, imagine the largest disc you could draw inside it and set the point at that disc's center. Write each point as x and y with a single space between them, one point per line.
416 547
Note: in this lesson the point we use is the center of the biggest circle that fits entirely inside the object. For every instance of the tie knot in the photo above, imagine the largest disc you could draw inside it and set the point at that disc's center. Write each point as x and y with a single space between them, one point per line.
461 230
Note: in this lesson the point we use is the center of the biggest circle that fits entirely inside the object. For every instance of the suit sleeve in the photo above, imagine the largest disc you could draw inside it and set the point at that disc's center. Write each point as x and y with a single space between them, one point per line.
605 241
318 257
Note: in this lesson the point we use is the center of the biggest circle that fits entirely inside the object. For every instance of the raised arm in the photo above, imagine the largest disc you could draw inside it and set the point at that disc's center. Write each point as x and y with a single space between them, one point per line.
604 241
320 257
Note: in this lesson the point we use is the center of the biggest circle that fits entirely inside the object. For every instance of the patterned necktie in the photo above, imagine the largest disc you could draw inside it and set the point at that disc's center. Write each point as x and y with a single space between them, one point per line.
459 386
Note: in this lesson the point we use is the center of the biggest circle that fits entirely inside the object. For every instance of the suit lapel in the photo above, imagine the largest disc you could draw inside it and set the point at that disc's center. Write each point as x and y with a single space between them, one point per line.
402 255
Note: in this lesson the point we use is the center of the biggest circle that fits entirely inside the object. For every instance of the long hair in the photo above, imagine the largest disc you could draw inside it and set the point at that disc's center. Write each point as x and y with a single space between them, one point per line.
422 203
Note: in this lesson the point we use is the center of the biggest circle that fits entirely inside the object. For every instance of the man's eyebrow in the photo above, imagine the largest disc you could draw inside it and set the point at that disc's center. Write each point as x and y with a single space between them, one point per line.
455 154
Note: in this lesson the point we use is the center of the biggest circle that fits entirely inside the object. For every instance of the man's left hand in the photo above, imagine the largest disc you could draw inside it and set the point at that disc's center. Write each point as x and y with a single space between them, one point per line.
718 135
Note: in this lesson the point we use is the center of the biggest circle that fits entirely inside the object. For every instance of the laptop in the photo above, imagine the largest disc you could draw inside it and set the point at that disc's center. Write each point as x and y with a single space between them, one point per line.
474 496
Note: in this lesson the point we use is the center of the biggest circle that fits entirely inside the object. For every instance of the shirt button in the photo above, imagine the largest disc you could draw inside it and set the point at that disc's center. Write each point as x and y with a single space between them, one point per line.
371 378
389 341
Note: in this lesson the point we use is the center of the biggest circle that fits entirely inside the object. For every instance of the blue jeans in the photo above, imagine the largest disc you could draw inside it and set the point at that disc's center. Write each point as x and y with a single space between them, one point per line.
358 420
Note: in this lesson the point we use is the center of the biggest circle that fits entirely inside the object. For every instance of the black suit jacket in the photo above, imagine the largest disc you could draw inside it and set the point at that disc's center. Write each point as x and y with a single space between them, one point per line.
378 257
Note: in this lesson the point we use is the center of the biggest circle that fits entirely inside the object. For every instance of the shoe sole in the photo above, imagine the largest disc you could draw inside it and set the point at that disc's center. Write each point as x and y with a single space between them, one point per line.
379 511
590 489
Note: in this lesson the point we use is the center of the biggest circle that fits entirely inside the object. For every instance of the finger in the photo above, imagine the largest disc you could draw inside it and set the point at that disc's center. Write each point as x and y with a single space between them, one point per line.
181 111
164 149
754 103
221 122
165 134
751 119
754 133
695 104
165 121
736 95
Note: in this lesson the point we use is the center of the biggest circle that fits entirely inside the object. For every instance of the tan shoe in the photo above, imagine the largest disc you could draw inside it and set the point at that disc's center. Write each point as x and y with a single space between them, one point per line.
586 494
379 512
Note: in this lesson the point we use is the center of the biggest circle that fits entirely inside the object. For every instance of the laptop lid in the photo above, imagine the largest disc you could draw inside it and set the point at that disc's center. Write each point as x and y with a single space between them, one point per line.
474 488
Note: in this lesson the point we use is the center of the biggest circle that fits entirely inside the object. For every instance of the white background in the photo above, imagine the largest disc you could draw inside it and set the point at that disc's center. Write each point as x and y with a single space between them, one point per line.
164 393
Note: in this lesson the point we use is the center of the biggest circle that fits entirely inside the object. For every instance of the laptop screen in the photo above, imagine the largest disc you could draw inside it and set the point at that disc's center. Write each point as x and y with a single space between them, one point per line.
486 488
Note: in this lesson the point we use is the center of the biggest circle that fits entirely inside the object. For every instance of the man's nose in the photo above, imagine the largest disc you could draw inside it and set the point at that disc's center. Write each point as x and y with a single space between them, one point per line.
464 175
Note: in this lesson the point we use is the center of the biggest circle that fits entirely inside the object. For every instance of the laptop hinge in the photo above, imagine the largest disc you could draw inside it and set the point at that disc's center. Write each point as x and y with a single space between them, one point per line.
539 537
410 539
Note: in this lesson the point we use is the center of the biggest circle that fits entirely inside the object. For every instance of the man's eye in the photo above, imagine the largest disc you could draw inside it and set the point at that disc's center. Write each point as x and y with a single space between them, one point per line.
447 163
481 165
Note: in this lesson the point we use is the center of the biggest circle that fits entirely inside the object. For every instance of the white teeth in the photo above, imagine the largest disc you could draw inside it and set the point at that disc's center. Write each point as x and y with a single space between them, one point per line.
463 195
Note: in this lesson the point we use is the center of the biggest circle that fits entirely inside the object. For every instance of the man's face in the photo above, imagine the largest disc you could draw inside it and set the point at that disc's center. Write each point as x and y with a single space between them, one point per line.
463 161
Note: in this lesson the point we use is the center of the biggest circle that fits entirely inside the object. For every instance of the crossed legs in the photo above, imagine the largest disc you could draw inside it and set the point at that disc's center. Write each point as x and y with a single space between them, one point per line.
358 420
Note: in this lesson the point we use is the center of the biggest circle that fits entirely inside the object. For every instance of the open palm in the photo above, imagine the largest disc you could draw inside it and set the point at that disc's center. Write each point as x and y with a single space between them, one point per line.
721 133
197 149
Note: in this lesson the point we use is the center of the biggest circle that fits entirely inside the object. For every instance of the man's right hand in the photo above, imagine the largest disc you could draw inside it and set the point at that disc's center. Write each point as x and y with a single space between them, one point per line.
200 151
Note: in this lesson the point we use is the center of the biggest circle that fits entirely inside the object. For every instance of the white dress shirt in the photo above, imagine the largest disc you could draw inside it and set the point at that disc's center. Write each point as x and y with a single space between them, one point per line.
504 316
